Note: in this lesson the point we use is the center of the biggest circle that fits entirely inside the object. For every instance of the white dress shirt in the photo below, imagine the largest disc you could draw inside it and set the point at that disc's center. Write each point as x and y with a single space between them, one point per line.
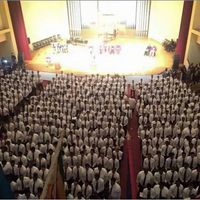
185 174
176 192
141 178
87 191
115 191
98 185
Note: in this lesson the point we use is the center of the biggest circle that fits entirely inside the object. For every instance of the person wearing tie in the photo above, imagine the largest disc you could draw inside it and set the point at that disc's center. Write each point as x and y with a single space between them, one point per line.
159 160
75 188
98 185
181 160
176 190
43 173
143 178
35 183
166 149
159 176
87 190
49 157
185 174
148 192
189 192
161 191
22 183
114 190
21 169
149 163
192 160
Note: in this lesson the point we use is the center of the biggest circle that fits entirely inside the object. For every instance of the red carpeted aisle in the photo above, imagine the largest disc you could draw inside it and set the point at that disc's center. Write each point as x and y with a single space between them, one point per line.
134 151
130 164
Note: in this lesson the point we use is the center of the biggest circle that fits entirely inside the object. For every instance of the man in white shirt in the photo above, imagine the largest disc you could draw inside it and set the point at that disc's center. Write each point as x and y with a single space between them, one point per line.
114 190
22 183
149 163
170 162
189 192
143 178
159 176
166 149
4 154
171 176
185 174
113 174
22 158
146 149
33 153
35 183
43 173
30 170
20 170
161 191
87 190
98 185
82 158
89 173
159 160
192 160
148 193
176 190
181 160
102 172
75 188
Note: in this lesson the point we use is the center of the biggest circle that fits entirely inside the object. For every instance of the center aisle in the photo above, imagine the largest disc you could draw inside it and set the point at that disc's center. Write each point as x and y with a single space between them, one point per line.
134 150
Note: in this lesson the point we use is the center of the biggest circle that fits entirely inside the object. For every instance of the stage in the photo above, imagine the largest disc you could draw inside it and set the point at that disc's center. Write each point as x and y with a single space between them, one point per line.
130 60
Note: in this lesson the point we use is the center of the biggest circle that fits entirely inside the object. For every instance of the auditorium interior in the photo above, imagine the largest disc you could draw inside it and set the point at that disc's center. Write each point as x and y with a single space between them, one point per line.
99 99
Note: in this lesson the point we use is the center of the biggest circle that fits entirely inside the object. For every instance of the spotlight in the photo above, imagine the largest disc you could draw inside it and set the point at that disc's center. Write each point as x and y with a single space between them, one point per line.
4 61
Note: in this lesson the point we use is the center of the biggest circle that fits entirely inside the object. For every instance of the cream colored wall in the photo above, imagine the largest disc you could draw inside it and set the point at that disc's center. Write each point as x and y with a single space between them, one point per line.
45 18
165 19
194 50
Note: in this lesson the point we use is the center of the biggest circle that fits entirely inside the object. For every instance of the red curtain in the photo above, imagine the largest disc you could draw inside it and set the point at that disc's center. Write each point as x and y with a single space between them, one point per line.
184 28
19 28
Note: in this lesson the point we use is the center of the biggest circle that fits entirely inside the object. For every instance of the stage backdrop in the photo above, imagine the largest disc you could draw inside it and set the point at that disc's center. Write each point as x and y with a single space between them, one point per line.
45 18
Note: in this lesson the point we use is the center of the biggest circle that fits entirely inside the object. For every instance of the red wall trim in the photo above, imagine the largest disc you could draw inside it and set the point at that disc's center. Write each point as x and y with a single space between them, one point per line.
184 29
19 28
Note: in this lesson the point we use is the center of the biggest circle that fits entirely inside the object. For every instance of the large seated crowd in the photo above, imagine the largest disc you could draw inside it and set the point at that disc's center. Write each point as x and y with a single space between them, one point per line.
169 122
90 111
92 114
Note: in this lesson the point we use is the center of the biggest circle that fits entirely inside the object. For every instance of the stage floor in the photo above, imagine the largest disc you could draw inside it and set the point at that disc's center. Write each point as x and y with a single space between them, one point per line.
130 61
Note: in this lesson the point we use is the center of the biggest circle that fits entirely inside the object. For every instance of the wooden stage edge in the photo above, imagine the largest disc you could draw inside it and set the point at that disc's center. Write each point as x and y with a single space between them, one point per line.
130 61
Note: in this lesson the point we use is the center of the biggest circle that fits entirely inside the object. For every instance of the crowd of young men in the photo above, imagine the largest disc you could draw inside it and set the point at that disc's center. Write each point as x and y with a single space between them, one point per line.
14 88
93 115
169 122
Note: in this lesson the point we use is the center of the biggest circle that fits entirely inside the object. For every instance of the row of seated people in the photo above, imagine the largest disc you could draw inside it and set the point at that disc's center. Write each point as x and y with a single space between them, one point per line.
59 109
169 121
14 88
